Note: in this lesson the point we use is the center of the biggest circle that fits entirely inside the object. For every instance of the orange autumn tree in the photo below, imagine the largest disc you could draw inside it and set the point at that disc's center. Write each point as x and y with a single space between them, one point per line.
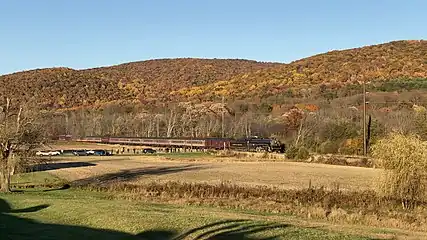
297 118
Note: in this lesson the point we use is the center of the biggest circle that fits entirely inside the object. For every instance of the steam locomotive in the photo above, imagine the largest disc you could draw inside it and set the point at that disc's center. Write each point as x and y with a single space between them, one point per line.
251 144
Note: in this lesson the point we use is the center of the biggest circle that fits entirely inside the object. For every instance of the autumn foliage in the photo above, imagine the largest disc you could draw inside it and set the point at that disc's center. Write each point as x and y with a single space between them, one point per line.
177 80
137 82
335 69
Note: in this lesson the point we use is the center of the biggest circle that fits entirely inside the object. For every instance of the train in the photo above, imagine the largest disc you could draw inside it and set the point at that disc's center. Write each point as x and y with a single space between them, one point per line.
250 144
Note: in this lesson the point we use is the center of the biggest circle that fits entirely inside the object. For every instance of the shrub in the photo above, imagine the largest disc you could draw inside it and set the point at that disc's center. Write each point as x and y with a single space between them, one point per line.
291 152
299 153
351 146
338 130
229 153
265 155
303 153
328 147
404 159
402 84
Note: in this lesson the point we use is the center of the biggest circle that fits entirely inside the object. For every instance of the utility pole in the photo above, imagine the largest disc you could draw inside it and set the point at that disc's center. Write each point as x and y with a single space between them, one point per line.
222 118
66 124
364 118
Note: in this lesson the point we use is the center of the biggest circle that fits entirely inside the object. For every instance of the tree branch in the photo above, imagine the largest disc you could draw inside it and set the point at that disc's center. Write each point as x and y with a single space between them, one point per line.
18 120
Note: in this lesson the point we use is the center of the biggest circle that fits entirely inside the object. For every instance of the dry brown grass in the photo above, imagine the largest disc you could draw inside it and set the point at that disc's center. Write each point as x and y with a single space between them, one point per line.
280 174
364 208
343 160
404 159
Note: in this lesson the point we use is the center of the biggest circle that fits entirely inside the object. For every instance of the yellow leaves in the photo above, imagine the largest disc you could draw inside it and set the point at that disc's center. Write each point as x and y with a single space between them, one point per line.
298 77
223 92
274 82
195 91
300 106
62 100
419 109
351 146
307 107
190 92
120 85
220 83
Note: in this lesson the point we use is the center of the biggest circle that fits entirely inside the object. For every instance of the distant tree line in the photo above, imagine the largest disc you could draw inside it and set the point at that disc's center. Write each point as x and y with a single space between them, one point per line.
334 127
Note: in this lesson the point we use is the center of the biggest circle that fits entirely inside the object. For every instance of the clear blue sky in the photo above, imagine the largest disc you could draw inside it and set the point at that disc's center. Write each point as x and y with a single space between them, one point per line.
90 33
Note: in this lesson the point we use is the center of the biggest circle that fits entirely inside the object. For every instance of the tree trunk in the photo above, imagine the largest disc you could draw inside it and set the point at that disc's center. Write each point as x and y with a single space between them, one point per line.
171 121
157 127
368 138
4 178
299 133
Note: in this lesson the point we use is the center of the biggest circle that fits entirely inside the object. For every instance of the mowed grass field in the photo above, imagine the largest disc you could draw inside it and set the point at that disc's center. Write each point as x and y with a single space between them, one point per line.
204 168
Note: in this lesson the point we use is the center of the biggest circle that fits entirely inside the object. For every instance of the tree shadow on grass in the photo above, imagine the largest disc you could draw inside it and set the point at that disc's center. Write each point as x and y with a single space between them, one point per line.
54 166
14 227
131 174
231 229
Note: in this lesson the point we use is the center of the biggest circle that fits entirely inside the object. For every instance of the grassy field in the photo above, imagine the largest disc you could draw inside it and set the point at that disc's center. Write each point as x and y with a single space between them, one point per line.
35 178
183 167
72 214
75 213
171 196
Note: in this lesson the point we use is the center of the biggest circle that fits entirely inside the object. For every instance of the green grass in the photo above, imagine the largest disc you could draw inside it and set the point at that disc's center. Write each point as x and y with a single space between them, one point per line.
36 178
71 214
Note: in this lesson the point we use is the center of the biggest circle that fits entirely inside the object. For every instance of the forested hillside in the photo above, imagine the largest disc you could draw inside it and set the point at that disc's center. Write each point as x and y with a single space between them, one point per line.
201 80
332 70
138 82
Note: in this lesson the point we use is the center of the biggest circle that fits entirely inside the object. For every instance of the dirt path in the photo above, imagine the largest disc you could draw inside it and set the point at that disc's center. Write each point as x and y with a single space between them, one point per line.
281 174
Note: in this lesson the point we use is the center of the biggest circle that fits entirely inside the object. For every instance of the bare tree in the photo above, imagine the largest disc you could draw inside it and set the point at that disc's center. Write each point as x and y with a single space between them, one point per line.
19 134
171 118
